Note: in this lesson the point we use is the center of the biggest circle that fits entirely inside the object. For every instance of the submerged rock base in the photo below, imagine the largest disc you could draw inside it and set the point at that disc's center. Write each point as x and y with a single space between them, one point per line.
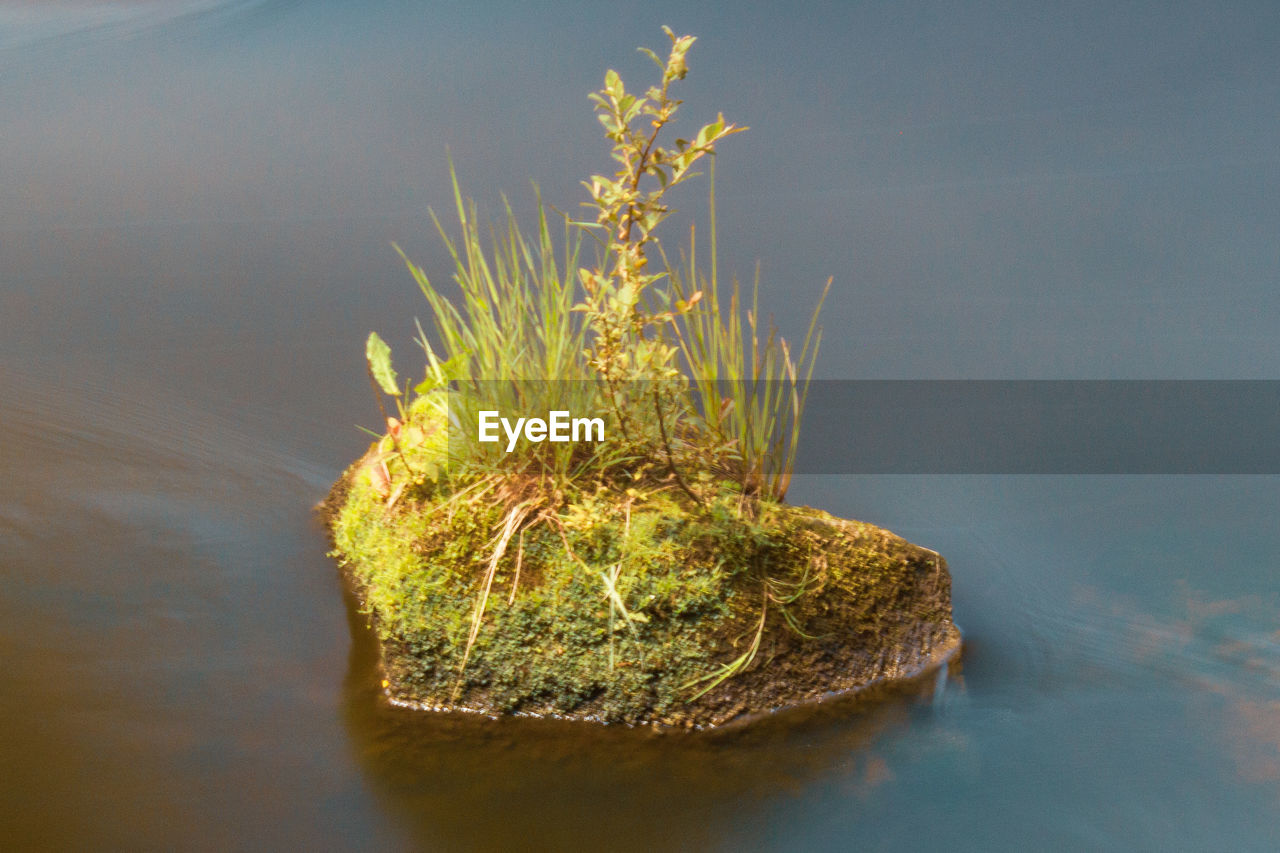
648 612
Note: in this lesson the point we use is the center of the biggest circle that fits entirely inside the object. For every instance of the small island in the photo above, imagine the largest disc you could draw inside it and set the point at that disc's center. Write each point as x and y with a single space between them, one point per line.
579 511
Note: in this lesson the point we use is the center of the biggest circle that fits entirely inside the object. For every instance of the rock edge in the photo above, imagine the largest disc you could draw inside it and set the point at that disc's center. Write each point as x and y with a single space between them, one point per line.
875 609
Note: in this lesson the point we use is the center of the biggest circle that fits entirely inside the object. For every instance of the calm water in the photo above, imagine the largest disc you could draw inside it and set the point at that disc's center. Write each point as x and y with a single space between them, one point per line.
198 200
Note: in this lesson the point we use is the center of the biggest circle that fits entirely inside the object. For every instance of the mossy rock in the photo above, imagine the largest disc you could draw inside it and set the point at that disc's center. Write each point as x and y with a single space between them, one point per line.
628 608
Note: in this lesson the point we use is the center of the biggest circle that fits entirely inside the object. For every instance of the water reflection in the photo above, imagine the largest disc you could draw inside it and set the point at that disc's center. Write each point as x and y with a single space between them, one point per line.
158 674
471 782
24 23
1252 729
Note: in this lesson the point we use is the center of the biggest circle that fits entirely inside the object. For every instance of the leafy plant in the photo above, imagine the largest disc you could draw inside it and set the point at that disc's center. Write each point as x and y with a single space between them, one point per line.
700 399
625 336
630 212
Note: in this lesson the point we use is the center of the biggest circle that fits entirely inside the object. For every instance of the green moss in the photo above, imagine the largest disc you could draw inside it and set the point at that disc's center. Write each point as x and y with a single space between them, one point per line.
551 638
690 585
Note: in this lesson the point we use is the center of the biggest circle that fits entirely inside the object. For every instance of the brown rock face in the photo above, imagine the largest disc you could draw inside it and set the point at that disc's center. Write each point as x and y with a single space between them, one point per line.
875 608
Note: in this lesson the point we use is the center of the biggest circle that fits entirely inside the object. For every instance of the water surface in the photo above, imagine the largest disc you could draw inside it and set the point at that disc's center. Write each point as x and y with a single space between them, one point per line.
198 203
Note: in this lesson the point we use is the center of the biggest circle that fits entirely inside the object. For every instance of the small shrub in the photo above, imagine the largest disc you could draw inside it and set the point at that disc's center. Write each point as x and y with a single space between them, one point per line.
697 393
705 405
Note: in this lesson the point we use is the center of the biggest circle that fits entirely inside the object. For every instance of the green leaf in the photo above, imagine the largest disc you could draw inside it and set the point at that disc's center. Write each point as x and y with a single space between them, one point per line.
613 84
442 373
654 57
378 355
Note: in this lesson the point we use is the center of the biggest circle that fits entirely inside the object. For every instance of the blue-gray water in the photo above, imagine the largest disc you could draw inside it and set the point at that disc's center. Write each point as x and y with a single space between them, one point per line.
196 206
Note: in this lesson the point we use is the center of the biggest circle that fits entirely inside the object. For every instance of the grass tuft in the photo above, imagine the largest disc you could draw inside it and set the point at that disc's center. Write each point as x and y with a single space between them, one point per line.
704 400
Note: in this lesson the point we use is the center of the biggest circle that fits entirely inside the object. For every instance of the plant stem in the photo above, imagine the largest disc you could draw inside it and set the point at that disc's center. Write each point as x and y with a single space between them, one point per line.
377 396
666 444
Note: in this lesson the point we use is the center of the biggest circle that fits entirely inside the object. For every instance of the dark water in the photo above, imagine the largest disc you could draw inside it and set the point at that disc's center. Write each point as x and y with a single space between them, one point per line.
197 201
